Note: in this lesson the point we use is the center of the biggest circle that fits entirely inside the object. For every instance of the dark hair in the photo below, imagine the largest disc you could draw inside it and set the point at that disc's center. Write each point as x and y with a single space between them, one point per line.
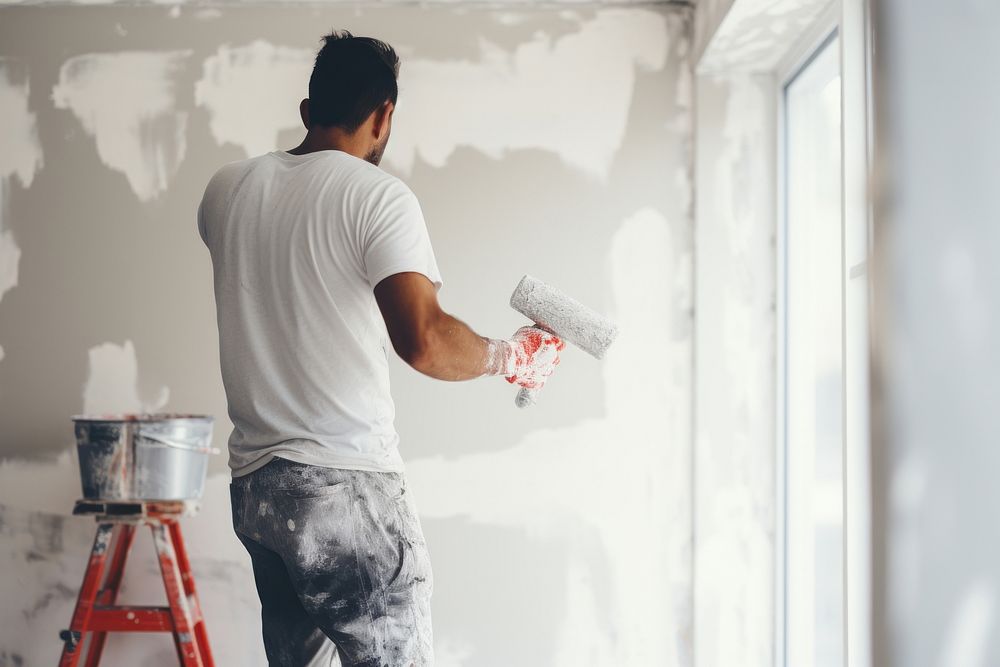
352 77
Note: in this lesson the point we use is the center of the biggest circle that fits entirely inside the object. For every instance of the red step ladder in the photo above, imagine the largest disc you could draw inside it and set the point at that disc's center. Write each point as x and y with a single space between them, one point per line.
97 614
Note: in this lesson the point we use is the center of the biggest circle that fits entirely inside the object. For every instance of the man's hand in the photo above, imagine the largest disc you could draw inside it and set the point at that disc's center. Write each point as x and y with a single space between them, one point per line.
534 357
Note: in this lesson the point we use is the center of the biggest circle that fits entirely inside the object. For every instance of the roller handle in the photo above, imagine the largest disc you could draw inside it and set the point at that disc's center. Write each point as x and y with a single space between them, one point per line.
526 397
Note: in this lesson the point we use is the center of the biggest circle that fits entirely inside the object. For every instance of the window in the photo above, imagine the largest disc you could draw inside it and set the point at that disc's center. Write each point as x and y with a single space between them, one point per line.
813 378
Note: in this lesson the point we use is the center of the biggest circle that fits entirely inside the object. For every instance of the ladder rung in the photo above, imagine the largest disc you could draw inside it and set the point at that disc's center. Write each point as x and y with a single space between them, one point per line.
130 619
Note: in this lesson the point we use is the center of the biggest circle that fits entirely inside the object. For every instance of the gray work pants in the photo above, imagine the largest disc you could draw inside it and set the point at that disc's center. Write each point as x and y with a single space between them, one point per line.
338 556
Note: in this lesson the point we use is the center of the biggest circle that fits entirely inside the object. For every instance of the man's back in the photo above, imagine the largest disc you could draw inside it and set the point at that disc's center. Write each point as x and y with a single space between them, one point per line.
298 242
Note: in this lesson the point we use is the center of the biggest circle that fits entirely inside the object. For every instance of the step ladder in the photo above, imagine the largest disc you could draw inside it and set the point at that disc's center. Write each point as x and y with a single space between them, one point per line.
96 613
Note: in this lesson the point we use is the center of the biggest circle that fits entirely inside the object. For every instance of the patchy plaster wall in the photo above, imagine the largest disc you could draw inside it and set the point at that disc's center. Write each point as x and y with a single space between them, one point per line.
20 159
734 380
734 371
566 528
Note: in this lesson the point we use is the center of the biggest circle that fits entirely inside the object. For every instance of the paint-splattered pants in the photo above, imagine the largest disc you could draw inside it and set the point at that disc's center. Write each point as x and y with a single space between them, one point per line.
337 555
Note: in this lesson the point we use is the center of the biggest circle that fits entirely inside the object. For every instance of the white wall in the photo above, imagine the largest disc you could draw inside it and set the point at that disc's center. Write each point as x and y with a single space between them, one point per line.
936 326
560 535
734 371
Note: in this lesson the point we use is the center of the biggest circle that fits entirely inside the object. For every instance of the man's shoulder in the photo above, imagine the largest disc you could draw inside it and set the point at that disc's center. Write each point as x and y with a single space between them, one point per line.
218 189
240 166
229 172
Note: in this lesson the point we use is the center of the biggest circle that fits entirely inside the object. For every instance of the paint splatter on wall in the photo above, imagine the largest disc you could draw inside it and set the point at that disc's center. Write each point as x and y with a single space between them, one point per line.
261 76
548 94
512 100
127 102
112 385
20 157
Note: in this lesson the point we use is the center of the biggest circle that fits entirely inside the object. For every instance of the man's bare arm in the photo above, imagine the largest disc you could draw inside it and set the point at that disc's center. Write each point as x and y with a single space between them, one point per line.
429 339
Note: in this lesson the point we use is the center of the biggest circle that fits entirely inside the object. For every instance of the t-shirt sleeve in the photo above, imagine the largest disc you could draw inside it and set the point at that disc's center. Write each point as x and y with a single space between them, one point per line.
396 238
201 220
211 203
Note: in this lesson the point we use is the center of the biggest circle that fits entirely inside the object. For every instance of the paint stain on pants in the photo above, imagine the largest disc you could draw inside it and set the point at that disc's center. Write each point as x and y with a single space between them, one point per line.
338 555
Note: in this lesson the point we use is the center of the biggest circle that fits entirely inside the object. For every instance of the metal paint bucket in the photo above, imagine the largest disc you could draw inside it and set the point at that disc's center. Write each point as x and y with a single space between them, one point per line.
143 457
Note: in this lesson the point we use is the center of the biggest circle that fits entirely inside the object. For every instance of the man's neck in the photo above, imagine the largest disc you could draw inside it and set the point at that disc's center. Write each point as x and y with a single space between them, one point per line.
329 139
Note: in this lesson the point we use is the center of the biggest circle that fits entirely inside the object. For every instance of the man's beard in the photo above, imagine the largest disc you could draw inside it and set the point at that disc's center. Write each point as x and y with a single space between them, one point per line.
375 154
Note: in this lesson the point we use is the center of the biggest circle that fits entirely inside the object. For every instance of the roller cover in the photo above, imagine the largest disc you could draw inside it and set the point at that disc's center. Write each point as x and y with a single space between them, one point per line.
566 317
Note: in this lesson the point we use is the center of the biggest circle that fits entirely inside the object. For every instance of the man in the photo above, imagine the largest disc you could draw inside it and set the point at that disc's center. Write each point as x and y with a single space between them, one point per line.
320 259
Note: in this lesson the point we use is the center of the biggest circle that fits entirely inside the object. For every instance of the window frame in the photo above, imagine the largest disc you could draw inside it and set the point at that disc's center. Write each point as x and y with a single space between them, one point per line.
851 21
825 28
856 159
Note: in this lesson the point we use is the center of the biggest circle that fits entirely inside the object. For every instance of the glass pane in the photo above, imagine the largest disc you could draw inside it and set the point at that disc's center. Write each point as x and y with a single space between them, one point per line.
814 377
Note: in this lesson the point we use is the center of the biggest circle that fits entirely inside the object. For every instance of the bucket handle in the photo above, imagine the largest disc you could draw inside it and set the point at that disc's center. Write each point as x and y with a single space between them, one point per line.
176 445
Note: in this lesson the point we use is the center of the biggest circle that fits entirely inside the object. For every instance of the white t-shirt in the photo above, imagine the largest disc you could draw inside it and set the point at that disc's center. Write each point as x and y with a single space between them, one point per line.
298 242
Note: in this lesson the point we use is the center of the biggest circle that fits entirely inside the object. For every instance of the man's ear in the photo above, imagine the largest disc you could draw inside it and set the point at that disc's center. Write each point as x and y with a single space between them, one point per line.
304 112
382 118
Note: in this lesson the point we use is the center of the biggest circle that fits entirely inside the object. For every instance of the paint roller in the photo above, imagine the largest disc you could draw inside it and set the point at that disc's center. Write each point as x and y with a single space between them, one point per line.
563 316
